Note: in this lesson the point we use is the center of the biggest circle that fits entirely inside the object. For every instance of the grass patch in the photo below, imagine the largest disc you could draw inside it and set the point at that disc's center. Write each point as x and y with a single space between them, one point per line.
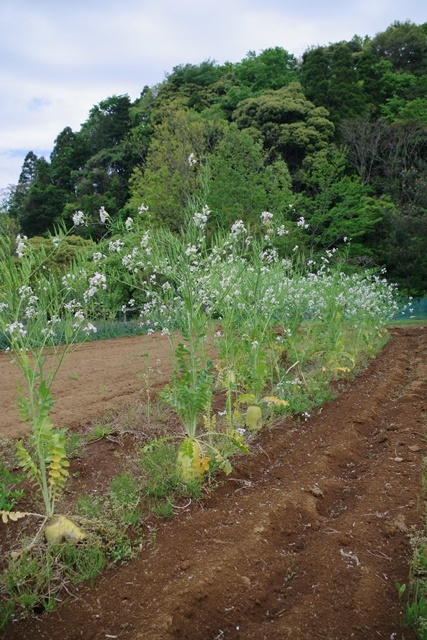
415 591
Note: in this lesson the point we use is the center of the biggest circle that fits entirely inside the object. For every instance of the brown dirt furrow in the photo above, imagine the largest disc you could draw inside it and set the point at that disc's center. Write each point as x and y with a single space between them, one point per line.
306 539
93 378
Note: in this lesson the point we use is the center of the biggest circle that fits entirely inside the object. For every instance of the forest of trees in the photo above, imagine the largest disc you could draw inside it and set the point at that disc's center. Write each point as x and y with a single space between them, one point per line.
338 137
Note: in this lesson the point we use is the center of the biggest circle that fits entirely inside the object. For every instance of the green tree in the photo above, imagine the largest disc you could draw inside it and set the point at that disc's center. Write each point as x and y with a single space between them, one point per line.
314 74
26 177
171 174
242 184
201 75
403 251
336 205
404 45
107 124
68 156
291 127
271 69
103 181
43 203
330 78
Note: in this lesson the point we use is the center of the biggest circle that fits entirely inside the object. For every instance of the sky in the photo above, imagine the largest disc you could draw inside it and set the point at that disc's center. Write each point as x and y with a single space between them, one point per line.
60 58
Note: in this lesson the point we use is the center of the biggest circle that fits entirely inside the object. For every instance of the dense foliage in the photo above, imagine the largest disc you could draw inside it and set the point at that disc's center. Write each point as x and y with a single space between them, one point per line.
339 137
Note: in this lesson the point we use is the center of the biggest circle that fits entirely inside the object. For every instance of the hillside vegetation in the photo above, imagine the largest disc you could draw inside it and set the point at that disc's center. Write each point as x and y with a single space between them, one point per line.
338 138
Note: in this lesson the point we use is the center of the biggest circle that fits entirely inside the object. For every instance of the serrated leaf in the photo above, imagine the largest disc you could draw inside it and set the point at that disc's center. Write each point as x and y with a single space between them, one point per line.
13 516
227 468
246 398
276 401
202 464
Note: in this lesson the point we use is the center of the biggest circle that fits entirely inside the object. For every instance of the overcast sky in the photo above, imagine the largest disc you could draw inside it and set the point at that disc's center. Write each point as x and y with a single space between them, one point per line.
59 58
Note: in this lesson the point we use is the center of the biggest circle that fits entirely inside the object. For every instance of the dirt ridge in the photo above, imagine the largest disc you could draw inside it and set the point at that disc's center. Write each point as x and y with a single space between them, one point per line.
306 539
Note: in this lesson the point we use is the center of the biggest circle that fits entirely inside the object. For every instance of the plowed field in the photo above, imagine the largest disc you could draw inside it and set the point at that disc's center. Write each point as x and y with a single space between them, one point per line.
307 537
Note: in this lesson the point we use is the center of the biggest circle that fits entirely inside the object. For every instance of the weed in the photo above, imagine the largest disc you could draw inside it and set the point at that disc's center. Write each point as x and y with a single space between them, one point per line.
163 509
99 432
90 507
124 496
9 491
6 611
416 589
27 583
82 562
158 470
74 445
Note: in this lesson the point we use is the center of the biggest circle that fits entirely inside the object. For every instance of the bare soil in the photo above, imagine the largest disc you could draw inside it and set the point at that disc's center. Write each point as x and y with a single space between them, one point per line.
307 537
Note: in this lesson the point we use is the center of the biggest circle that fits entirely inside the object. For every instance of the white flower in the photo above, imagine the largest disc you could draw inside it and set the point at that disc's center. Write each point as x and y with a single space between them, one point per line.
200 219
98 280
266 216
269 255
89 327
78 218
21 245
129 224
281 231
191 250
301 223
238 227
71 305
103 215
56 242
16 328
142 207
97 257
191 159
25 291
116 245
165 331
79 315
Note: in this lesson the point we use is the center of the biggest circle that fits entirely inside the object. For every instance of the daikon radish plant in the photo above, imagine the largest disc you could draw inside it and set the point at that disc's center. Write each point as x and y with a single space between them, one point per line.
249 312
38 312
178 269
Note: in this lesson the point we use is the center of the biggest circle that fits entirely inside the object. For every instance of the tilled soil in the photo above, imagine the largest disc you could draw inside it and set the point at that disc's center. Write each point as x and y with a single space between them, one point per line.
307 537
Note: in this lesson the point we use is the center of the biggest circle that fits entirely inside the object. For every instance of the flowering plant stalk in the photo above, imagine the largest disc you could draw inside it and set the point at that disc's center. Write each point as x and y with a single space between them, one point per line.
37 312
249 311
178 272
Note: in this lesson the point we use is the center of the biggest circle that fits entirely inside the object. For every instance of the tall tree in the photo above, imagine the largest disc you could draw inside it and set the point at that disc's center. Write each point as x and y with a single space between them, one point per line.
242 183
330 78
108 123
289 125
42 204
170 175
271 69
69 155
404 45
337 206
